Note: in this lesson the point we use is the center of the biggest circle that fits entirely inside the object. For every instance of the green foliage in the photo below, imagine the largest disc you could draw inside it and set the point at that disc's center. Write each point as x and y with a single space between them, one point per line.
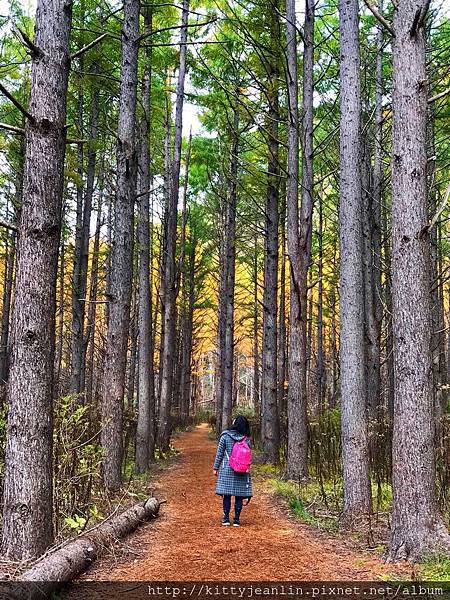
301 500
76 523
435 568
77 457
164 455
204 415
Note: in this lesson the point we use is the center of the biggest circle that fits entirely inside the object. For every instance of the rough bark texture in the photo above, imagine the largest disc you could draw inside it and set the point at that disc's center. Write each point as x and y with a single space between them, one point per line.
170 296
256 378
355 454
27 528
89 341
230 258
145 432
297 415
281 338
376 210
269 414
79 364
371 289
65 564
320 368
6 307
417 527
119 297
77 304
188 324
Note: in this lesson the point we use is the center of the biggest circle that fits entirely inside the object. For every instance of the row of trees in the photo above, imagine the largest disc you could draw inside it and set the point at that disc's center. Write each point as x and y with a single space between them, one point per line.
282 231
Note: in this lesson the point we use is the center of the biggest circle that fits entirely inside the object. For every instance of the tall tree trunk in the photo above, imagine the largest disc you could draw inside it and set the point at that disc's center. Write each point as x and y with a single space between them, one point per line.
9 272
89 341
297 459
230 258
256 394
59 337
27 522
417 527
113 387
186 374
221 316
163 240
320 368
377 197
169 270
270 422
87 212
6 312
355 453
334 334
281 354
306 209
77 303
371 246
145 438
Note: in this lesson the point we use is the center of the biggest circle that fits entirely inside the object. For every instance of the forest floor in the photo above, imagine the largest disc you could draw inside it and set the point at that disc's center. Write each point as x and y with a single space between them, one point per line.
187 542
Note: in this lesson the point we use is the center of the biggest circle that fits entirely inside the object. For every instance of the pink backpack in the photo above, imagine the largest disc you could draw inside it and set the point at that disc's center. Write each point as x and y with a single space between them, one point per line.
241 457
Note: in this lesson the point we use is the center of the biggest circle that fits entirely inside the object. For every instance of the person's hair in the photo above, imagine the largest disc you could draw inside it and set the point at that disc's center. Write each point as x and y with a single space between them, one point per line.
241 425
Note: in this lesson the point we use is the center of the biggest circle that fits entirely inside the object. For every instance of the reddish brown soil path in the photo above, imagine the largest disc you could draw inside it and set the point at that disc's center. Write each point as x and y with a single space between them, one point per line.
188 543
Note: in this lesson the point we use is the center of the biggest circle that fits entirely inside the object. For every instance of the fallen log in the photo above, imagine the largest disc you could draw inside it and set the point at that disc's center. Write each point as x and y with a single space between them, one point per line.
64 564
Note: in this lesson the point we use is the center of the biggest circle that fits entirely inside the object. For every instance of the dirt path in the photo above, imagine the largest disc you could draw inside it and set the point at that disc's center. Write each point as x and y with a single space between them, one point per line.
188 543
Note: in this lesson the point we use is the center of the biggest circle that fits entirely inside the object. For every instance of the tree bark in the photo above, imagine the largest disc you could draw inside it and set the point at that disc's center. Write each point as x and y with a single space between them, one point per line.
27 522
320 367
77 304
417 527
63 565
355 453
269 414
297 463
186 374
170 298
230 260
89 341
113 387
256 378
6 308
371 247
85 238
145 432
281 354
377 198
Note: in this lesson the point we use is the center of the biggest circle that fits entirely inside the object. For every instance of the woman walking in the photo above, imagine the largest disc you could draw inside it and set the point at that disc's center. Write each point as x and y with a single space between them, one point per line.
230 482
